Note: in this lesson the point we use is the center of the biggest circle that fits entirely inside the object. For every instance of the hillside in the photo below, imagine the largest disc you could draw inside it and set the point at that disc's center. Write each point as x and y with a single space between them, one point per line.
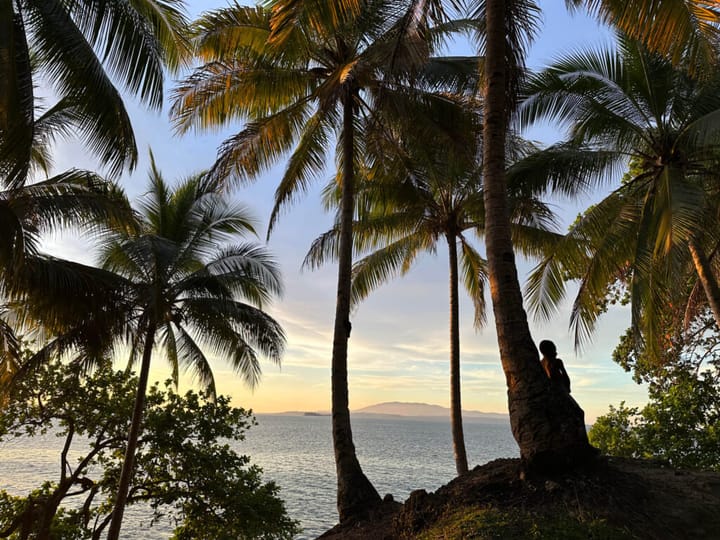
407 410
617 499
398 408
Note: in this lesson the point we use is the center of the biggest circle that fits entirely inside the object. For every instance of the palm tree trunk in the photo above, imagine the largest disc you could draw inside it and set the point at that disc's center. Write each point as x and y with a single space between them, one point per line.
461 463
707 278
355 492
129 462
7 61
546 422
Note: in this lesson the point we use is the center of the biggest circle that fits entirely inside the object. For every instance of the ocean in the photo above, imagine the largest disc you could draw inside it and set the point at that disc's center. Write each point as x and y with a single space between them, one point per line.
398 455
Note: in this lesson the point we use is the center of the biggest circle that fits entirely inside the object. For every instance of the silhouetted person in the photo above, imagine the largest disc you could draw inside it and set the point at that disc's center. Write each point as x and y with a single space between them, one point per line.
553 366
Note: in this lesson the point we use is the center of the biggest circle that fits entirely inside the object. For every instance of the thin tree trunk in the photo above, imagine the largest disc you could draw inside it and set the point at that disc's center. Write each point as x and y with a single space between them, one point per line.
546 422
129 463
355 493
461 463
707 278
49 509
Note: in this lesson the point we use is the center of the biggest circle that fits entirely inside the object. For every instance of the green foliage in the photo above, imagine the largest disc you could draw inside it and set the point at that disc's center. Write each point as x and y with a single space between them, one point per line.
614 433
186 469
681 422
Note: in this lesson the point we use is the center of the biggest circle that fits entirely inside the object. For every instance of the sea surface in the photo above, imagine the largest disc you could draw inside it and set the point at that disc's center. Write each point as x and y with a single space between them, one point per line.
398 455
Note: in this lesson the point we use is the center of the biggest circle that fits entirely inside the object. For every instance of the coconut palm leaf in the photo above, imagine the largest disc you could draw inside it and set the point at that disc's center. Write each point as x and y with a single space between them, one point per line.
685 30
382 265
16 98
167 339
72 44
71 62
474 272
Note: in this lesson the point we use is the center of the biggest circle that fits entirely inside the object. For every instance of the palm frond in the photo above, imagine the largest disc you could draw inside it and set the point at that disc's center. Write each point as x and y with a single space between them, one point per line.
564 168
16 99
235 330
226 32
73 67
307 161
475 275
74 198
382 265
685 30
246 271
256 147
326 17
137 40
167 338
194 360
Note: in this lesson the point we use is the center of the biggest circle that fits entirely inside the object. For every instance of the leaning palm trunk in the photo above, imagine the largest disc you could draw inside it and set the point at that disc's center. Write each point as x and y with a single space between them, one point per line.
546 422
355 492
461 463
707 278
129 462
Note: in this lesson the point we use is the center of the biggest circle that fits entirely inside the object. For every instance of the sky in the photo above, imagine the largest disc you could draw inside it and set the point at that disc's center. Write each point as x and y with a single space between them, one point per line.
399 349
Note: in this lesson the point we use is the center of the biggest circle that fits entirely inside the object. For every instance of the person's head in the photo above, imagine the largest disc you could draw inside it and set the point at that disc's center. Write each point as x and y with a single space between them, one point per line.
547 348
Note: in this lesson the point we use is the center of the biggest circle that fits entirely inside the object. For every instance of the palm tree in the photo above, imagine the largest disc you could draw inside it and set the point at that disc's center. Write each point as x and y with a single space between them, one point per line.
562 432
547 424
306 74
415 200
184 292
633 106
71 43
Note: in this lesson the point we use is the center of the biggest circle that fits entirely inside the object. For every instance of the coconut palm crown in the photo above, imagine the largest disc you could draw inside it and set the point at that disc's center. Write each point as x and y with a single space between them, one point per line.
629 107
189 290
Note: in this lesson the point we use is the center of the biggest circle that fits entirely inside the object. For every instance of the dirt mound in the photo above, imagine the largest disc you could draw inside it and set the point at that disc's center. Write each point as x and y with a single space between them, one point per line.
614 499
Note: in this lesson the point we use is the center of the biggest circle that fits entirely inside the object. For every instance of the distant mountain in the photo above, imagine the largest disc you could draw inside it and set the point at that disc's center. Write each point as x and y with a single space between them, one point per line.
397 408
407 410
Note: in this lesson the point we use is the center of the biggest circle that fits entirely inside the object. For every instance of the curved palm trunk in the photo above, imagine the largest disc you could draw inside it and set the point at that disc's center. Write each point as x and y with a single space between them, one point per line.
546 422
707 278
461 463
355 492
129 462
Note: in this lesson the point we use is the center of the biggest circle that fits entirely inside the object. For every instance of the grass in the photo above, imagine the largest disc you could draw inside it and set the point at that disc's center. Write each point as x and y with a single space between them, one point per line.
491 524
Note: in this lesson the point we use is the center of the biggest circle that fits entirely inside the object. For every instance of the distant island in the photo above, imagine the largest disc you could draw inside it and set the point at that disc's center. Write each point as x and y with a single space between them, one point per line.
423 410
408 410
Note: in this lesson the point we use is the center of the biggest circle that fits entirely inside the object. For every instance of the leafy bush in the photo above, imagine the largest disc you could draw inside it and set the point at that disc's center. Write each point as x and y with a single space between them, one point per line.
185 469
681 422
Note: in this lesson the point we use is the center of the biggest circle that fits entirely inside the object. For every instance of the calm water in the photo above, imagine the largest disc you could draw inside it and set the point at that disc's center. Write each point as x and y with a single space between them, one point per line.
398 455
